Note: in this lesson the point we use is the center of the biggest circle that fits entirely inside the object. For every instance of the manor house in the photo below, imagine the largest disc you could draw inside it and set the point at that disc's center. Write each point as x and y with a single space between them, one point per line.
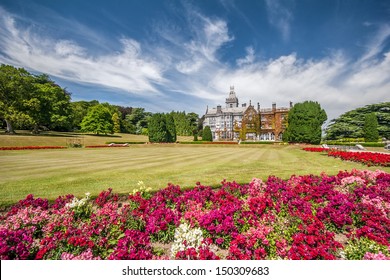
245 122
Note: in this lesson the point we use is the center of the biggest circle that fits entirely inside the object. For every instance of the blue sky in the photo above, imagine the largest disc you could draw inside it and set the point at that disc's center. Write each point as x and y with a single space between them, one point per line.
184 55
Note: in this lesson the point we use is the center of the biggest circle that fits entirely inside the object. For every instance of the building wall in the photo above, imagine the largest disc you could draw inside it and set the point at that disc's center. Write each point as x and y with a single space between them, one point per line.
225 123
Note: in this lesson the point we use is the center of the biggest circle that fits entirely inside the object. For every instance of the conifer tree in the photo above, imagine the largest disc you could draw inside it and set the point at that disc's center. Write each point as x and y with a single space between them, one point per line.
157 128
370 129
207 135
171 129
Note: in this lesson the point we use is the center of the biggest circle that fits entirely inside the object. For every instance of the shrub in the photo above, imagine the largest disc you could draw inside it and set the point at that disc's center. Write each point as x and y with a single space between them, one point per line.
207 135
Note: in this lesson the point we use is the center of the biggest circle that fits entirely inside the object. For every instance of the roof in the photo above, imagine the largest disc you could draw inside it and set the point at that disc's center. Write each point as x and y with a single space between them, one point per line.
234 110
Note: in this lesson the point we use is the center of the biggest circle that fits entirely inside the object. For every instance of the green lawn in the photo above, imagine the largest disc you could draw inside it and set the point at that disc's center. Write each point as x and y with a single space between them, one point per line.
50 173
25 138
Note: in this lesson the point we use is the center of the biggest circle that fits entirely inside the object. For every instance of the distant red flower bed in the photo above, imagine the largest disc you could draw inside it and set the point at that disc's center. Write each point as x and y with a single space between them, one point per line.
32 148
367 158
363 157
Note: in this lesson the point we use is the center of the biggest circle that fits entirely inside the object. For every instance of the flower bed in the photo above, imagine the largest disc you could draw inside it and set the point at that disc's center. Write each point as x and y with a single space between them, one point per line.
346 216
32 148
367 158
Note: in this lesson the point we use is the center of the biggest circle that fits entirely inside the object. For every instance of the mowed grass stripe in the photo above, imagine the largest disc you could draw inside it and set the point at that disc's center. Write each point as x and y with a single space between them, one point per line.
58 172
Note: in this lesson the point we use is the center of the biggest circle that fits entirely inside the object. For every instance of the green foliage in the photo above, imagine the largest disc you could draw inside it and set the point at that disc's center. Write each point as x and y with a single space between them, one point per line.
171 129
30 101
115 121
351 123
98 120
161 129
50 105
158 128
15 85
304 123
207 135
185 124
353 143
357 248
136 122
371 128
79 111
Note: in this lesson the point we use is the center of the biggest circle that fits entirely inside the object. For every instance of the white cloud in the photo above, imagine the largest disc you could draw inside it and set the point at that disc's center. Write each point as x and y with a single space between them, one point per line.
127 70
280 17
375 46
181 67
67 48
248 59
209 37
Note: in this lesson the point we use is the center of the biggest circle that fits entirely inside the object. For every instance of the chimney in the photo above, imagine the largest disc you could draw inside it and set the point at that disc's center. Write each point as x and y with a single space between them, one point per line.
219 109
273 106
258 106
291 104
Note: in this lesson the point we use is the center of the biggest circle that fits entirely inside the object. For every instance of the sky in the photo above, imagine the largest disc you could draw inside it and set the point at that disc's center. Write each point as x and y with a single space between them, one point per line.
184 55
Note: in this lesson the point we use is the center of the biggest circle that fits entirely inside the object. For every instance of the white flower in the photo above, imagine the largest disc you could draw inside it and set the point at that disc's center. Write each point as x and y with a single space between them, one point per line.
193 238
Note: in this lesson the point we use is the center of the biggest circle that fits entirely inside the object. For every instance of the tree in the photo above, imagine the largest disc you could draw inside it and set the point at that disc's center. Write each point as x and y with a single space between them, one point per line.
136 122
207 135
15 86
48 105
79 111
98 120
171 129
351 123
304 123
371 128
161 128
32 101
158 128
115 121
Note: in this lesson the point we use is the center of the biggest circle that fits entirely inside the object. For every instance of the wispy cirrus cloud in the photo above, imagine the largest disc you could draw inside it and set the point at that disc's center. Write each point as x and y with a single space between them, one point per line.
208 36
127 69
183 66
280 17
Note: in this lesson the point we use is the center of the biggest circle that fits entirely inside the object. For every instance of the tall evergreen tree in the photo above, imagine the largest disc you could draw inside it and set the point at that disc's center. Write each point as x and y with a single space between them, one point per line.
157 126
370 129
304 123
207 135
171 129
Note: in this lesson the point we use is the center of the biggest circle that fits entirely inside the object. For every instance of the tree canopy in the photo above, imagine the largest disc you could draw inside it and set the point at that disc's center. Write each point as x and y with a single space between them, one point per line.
98 120
304 123
32 100
351 123
371 128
